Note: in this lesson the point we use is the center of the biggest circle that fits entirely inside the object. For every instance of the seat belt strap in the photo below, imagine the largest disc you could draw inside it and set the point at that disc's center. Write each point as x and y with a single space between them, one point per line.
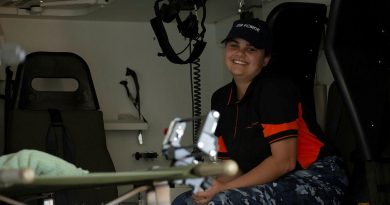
59 144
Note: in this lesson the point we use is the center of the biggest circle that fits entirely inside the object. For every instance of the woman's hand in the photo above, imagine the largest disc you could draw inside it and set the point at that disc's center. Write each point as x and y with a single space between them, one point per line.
204 197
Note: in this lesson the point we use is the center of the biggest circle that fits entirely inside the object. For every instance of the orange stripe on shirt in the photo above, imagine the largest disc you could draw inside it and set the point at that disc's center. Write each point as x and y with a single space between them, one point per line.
221 145
309 145
271 129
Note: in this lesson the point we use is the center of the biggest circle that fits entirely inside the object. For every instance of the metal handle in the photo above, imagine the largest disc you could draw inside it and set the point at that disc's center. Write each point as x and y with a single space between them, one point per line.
16 176
225 168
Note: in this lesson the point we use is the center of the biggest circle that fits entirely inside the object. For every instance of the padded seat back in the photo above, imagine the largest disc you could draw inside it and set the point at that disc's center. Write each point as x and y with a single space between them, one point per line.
65 123
54 65
297 29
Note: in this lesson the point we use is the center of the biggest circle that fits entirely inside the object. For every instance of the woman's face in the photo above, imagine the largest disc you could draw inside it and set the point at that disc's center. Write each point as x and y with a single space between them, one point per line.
243 60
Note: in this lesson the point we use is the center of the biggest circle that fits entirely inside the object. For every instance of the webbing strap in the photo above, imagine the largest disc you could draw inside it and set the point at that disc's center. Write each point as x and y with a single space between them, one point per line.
59 143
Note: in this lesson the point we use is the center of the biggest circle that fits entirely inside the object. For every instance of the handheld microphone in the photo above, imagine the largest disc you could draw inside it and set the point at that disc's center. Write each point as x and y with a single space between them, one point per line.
11 54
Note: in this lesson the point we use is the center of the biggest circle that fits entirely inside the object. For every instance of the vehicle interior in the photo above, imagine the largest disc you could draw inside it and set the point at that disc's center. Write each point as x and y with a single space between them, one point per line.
109 86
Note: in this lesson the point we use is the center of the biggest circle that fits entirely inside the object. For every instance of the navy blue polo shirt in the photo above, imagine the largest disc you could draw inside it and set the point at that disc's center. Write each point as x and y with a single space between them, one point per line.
269 111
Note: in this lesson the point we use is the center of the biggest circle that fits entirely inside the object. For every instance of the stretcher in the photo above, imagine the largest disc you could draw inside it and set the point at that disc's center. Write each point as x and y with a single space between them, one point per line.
155 181
25 182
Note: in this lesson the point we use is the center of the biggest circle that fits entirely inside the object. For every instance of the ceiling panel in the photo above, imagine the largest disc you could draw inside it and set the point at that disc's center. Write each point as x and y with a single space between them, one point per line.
106 10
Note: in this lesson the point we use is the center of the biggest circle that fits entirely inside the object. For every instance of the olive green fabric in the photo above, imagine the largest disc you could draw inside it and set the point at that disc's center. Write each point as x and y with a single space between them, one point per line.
42 163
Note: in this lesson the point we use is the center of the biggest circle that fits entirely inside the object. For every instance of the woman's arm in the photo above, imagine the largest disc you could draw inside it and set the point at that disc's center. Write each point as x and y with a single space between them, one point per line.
282 161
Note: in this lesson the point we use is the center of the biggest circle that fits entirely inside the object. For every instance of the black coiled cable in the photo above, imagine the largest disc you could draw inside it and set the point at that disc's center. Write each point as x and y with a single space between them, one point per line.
196 98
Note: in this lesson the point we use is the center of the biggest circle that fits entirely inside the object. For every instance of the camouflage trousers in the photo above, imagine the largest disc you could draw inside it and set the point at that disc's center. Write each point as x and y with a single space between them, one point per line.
324 182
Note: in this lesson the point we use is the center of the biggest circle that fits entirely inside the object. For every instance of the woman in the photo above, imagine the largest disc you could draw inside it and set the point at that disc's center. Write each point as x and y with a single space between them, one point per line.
281 152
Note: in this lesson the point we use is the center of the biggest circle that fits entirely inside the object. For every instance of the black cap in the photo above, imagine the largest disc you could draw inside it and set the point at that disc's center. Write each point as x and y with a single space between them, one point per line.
253 30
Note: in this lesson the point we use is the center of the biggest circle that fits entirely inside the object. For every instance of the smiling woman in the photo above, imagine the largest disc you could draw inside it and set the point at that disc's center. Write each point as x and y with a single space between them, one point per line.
244 62
246 59
268 131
